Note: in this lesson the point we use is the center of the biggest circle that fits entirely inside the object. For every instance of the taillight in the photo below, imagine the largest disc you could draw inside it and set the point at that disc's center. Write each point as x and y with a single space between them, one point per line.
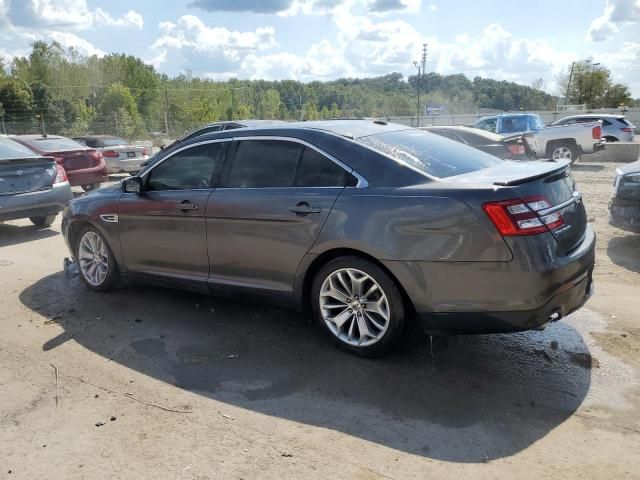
627 130
96 157
61 174
516 148
520 216
596 133
110 153
145 152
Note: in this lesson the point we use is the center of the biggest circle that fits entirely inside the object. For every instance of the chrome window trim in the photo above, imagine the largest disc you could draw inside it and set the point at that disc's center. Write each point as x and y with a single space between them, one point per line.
362 182
575 198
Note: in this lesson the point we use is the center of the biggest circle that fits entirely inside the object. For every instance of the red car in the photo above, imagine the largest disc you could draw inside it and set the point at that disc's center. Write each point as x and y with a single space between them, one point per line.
85 167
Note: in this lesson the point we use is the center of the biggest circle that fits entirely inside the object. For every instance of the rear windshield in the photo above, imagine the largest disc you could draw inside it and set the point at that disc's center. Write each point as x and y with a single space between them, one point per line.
431 154
55 144
12 149
112 142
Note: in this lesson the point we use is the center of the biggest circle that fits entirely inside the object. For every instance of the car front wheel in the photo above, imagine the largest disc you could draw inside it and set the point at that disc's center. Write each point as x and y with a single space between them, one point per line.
96 263
565 151
359 304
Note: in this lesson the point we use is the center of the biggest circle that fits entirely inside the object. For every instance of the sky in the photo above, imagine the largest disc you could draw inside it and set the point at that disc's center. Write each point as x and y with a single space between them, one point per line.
327 39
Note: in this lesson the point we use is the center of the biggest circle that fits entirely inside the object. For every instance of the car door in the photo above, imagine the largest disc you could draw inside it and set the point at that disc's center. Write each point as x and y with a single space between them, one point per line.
267 212
162 229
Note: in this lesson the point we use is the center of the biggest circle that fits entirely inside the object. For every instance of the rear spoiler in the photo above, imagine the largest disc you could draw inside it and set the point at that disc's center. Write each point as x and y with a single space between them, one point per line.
555 172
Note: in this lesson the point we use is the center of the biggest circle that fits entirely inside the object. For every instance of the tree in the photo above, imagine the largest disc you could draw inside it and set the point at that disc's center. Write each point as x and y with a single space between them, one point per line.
17 103
592 84
118 113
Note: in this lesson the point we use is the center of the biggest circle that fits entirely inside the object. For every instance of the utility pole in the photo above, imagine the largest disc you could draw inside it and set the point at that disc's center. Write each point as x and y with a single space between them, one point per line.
566 96
593 71
115 118
420 73
4 128
166 111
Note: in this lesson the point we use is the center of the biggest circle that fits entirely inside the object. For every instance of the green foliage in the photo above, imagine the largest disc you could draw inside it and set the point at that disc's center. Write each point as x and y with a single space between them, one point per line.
120 94
592 84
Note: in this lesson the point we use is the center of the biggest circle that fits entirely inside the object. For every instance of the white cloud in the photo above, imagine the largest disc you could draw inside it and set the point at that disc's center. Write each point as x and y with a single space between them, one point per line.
129 19
69 40
433 7
65 14
616 12
192 41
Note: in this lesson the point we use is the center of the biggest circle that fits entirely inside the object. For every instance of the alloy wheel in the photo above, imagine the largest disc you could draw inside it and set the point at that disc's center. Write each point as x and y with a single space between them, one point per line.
562 153
354 307
93 258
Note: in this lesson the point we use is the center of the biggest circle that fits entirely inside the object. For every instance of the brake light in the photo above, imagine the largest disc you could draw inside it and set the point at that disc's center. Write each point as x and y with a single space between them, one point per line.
96 157
110 153
520 216
516 148
596 133
61 174
627 130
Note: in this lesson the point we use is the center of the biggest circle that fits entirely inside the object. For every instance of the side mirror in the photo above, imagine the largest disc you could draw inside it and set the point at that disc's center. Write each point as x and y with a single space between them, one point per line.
132 185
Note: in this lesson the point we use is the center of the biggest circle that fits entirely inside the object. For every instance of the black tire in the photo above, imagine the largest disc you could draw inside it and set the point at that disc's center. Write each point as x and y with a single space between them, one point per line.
43 221
396 322
113 274
571 147
91 186
611 139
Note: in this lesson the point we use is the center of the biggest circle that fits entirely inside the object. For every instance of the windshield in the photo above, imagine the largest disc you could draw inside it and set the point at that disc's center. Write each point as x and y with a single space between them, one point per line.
431 154
12 149
55 144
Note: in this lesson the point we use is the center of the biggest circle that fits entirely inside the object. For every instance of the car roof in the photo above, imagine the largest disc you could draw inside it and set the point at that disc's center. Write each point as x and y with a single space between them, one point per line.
98 137
595 115
475 131
38 136
246 123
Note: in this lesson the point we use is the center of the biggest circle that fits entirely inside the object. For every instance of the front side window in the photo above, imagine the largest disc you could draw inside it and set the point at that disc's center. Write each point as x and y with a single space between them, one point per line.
193 168
431 154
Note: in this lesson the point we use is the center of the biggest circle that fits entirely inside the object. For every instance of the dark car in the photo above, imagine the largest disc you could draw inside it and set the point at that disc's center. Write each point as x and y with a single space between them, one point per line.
85 166
31 186
624 208
209 128
367 224
507 147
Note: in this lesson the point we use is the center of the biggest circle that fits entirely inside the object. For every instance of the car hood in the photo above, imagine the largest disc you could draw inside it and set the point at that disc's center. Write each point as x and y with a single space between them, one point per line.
630 168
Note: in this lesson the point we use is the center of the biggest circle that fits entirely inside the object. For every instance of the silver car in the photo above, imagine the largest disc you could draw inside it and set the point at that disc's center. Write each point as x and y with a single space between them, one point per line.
615 128
31 186
119 155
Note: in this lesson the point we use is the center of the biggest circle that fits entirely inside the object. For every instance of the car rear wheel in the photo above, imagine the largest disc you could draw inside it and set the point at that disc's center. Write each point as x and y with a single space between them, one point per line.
565 151
359 304
43 221
90 186
96 263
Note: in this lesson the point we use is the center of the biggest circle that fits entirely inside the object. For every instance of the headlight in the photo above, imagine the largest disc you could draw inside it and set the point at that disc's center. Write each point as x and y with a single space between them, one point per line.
632 177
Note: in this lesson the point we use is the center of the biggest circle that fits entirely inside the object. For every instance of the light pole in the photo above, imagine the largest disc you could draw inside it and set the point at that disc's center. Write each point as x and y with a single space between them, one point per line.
593 70
417 65
420 73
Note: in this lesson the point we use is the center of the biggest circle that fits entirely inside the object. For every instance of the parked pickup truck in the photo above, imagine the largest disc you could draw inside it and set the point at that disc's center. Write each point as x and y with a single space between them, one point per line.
566 142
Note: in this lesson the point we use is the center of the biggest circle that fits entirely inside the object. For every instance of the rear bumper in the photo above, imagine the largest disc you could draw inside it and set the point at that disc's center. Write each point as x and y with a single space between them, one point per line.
33 204
125 165
625 214
491 297
89 176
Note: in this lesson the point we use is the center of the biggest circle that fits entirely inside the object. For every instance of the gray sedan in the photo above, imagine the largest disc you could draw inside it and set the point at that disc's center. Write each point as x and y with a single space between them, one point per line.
368 225
31 186
624 207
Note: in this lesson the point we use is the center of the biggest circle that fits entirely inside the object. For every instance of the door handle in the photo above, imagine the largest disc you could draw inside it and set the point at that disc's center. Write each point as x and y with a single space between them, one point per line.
186 205
303 208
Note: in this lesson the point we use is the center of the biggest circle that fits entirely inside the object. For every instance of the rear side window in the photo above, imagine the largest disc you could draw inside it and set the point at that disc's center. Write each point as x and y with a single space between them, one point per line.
316 170
193 168
264 163
489 125
431 154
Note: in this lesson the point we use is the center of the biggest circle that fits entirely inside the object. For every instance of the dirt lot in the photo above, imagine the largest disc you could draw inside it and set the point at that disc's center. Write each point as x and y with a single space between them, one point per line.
161 384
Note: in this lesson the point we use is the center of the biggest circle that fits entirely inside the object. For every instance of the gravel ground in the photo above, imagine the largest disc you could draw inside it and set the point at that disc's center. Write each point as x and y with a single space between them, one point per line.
152 383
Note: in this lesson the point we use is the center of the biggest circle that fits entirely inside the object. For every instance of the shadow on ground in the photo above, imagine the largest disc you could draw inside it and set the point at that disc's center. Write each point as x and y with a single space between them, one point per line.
16 234
585 167
476 398
624 251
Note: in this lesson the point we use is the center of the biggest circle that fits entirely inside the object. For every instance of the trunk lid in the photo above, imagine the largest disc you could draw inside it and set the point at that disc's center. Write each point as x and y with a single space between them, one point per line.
551 180
124 152
23 175
76 160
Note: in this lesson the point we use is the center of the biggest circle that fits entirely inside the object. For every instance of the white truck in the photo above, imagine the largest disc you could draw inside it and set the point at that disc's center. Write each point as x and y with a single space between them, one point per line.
566 142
